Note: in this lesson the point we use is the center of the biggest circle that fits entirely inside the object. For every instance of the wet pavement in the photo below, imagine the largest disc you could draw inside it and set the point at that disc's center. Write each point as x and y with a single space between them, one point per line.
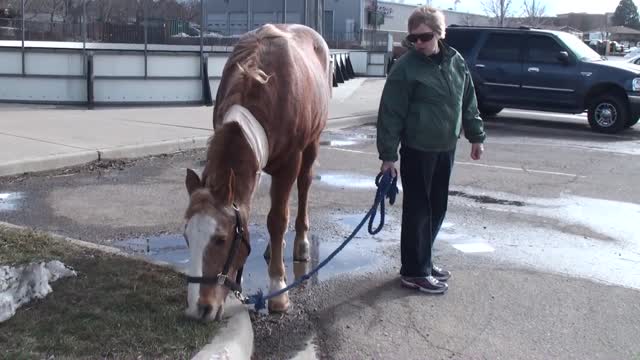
357 258
541 231
10 201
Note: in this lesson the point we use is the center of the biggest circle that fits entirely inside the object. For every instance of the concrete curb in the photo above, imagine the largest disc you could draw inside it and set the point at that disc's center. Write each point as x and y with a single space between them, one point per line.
348 121
48 163
161 147
235 339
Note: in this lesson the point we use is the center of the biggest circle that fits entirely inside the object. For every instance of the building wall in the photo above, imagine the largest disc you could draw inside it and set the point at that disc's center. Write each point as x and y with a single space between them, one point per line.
233 17
342 19
397 15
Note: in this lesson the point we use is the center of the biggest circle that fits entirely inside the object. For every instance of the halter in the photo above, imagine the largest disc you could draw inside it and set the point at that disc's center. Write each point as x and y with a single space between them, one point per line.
222 279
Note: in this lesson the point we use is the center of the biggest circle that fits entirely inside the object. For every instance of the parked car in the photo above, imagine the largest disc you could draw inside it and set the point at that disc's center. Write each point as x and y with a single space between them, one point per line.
548 70
633 59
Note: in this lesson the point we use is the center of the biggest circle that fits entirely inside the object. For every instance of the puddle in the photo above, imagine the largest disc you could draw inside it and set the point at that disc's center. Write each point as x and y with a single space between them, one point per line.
344 138
338 143
574 236
358 256
9 201
486 199
349 180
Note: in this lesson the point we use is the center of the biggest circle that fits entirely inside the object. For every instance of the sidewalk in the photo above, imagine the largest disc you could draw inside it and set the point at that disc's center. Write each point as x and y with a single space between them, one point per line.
42 138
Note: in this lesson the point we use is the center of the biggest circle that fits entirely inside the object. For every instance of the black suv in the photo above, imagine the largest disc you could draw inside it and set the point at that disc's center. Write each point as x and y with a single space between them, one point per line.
548 71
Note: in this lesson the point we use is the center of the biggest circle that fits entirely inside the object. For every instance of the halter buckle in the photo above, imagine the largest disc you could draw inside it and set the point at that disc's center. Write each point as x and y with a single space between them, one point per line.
222 278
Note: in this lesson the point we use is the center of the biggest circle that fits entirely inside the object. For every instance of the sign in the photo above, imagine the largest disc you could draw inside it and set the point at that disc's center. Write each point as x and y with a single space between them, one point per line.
380 9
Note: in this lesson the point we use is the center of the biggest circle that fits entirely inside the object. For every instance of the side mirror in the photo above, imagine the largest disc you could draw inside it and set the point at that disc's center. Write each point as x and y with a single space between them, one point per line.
563 57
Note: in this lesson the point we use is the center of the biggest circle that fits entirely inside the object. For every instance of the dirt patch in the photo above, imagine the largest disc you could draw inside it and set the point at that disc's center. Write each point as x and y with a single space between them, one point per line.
115 308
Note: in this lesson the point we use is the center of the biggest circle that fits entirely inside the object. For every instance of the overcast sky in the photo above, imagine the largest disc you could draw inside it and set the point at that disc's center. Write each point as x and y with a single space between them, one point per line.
552 7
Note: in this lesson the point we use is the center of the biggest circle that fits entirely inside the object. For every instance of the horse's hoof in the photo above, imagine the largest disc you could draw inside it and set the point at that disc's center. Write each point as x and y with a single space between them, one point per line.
302 251
279 304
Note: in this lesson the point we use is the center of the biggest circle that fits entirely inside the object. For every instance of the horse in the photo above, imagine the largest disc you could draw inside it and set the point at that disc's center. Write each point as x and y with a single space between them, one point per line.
270 110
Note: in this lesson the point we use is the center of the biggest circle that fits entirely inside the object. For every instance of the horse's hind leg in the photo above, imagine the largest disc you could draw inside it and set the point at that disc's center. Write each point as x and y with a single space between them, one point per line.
277 222
301 245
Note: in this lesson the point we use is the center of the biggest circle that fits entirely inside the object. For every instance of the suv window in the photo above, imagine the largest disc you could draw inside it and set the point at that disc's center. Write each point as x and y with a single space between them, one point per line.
501 47
463 41
543 49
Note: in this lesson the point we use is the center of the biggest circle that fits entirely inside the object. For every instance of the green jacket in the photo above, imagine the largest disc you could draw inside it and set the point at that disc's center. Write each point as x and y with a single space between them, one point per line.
424 105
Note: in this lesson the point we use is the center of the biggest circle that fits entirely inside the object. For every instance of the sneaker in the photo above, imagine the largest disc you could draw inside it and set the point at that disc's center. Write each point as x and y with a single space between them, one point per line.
440 274
427 284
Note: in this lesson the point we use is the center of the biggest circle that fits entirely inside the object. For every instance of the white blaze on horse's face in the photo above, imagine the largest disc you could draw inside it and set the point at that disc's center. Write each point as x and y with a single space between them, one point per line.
198 232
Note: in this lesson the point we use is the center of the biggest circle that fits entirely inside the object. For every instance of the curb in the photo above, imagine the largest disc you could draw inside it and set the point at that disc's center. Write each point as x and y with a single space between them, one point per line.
55 162
234 340
48 163
348 121
160 147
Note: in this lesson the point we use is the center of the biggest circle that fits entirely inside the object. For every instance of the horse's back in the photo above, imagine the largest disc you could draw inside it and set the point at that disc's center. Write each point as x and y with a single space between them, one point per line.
282 75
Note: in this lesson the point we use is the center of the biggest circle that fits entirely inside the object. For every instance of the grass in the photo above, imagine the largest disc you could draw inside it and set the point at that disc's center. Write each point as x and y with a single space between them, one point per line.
115 308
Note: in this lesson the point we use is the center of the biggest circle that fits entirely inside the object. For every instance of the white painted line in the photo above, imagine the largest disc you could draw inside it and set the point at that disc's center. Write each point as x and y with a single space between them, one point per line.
352 151
480 165
474 247
521 169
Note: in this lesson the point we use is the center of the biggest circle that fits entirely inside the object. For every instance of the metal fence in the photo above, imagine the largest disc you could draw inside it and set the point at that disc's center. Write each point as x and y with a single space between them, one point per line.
170 22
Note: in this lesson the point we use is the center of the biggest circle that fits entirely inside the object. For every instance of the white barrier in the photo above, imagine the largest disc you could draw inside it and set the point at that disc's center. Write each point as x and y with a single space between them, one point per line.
125 75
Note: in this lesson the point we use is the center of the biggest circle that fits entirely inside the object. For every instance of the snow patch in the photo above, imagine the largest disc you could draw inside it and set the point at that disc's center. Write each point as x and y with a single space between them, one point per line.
19 285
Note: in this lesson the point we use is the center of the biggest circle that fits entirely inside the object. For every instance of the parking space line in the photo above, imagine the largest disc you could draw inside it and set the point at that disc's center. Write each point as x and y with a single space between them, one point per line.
479 165
521 169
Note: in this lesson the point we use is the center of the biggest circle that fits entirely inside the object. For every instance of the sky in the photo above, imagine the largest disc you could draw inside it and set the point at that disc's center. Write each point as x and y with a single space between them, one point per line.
552 7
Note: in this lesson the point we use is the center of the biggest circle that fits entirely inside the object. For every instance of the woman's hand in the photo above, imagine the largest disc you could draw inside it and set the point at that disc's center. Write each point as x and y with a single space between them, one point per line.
476 151
389 165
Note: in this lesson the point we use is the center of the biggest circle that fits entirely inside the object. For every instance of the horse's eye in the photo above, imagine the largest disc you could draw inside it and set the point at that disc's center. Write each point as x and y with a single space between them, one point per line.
218 241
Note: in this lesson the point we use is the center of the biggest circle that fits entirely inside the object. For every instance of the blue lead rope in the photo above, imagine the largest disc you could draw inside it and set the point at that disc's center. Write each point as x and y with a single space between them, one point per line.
387 188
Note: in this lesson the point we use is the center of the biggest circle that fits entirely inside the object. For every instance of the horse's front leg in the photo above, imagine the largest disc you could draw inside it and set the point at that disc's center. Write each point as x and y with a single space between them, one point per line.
277 223
301 247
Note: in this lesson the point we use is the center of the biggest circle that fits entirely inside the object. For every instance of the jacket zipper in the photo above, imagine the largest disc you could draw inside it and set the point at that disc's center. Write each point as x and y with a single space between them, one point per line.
446 80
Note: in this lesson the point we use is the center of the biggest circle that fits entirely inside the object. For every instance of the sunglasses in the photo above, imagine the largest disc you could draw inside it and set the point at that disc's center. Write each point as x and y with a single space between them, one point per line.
424 37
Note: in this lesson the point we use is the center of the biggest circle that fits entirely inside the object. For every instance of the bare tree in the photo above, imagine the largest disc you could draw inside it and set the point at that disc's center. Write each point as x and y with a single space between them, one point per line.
468 20
500 10
534 13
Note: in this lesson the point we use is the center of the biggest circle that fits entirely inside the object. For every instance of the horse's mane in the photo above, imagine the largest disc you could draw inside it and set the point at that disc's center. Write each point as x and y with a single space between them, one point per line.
250 69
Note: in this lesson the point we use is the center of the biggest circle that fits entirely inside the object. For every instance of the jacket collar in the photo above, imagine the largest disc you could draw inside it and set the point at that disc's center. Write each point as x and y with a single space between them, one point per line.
447 51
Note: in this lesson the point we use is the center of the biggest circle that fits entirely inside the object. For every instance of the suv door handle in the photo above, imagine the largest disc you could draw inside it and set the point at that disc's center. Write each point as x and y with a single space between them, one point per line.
481 66
534 69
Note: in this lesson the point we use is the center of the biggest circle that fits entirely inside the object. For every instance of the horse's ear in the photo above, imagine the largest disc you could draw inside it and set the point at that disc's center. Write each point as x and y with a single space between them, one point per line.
232 186
192 181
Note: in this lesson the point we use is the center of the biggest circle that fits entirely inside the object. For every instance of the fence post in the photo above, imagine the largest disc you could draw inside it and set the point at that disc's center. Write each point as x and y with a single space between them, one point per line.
90 82
24 73
84 35
284 11
204 73
144 24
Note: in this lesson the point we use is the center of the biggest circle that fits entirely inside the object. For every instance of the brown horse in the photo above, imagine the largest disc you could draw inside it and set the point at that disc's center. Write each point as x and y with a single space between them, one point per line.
271 107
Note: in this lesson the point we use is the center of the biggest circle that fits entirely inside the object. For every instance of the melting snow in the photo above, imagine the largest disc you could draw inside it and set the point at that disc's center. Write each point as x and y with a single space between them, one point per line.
19 285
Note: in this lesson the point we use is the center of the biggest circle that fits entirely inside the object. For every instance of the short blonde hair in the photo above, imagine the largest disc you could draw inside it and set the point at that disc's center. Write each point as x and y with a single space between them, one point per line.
429 16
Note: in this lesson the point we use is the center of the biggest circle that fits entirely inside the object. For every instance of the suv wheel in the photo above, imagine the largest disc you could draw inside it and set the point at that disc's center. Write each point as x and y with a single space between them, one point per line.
489 110
608 114
632 122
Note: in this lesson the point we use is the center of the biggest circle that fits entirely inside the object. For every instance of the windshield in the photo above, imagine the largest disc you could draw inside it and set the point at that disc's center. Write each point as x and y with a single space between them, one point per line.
580 49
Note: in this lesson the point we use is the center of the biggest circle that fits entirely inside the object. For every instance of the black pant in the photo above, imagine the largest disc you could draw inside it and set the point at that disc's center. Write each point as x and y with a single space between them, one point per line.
425 182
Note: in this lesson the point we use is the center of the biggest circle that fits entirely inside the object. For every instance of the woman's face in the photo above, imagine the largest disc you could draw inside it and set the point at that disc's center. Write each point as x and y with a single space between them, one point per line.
424 39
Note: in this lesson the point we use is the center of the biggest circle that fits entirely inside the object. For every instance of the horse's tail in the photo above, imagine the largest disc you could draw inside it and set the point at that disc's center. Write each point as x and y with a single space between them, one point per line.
250 66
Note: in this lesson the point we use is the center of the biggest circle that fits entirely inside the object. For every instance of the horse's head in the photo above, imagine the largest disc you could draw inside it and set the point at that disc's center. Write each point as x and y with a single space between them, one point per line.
217 236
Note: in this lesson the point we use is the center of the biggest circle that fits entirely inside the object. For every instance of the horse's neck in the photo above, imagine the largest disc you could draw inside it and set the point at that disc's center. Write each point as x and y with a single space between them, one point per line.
235 154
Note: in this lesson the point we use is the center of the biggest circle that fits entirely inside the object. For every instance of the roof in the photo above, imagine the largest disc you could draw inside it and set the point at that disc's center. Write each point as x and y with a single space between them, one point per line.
618 30
561 28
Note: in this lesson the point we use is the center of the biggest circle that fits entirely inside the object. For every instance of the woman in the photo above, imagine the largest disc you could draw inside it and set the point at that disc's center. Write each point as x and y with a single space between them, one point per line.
428 99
